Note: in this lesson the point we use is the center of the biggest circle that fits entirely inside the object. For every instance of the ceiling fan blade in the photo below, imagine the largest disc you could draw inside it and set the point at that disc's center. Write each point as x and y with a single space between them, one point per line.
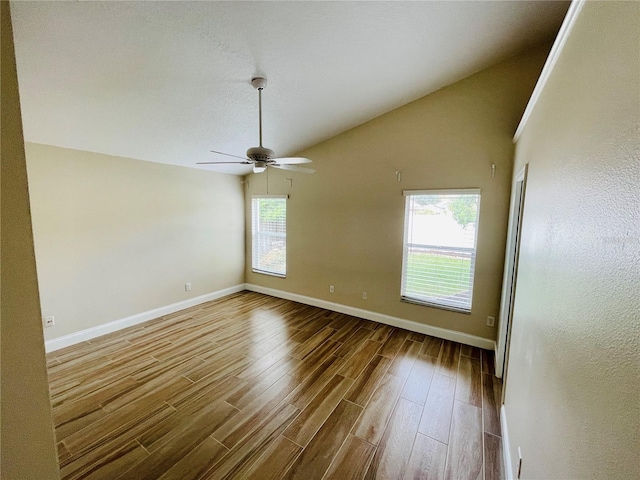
293 168
228 155
222 163
292 160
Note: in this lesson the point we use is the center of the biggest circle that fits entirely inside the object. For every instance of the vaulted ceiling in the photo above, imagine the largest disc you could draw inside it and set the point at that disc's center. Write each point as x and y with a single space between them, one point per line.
169 81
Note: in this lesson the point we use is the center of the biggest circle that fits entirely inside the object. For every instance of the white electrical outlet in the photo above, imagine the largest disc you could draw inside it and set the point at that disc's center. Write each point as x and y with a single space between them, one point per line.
187 287
364 295
491 321
331 289
49 321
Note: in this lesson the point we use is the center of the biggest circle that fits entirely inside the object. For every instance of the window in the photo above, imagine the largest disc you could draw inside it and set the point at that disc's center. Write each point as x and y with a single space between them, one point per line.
438 261
269 234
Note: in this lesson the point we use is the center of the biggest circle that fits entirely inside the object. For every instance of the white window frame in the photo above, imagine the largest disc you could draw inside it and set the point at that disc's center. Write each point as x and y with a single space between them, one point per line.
255 265
436 302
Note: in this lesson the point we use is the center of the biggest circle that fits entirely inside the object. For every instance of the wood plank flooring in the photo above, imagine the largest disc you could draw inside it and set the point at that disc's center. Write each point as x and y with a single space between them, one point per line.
255 387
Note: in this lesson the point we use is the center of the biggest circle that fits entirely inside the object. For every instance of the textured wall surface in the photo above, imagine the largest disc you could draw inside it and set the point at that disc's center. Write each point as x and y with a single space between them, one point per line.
115 237
573 380
345 222
28 447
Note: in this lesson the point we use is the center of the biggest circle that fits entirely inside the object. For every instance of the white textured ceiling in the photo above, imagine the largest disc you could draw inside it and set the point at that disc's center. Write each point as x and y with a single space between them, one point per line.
168 81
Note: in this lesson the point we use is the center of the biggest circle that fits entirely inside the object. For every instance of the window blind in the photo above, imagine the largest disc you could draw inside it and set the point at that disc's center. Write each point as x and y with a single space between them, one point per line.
269 234
439 253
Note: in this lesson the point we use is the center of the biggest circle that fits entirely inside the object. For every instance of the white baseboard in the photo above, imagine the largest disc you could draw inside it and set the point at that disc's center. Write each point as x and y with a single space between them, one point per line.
99 330
379 317
506 453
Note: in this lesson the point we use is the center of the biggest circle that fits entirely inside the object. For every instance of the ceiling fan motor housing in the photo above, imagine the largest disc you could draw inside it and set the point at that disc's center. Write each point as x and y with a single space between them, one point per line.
260 154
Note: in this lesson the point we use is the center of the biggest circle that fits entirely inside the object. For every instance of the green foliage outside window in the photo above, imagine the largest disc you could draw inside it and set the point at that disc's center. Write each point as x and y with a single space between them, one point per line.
271 211
464 210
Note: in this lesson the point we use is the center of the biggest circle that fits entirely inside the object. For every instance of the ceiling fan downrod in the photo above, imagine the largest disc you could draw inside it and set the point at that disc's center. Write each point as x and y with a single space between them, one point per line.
259 83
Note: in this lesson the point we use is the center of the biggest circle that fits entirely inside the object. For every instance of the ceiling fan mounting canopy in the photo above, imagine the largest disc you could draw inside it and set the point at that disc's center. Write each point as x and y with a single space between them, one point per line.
261 157
259 83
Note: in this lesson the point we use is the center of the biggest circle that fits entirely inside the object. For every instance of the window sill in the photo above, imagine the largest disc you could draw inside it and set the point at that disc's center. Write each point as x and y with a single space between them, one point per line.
272 274
435 305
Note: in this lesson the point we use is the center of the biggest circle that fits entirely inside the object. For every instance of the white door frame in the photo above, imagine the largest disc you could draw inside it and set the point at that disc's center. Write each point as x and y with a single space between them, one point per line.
510 270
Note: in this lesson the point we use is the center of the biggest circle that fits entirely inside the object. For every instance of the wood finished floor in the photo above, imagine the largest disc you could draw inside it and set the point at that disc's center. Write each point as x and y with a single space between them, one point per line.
251 386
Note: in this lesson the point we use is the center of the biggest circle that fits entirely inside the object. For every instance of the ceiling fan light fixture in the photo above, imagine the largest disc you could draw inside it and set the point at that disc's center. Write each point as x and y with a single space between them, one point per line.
259 168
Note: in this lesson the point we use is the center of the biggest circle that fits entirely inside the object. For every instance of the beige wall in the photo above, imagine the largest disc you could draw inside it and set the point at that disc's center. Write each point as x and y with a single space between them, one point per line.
345 222
116 237
573 381
28 448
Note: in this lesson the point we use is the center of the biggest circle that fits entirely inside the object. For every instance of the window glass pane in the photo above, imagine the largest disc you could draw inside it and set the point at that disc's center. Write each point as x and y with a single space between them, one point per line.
440 248
269 235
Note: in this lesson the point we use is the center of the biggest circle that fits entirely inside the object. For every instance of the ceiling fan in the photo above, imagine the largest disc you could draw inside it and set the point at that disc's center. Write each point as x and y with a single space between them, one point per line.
262 157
